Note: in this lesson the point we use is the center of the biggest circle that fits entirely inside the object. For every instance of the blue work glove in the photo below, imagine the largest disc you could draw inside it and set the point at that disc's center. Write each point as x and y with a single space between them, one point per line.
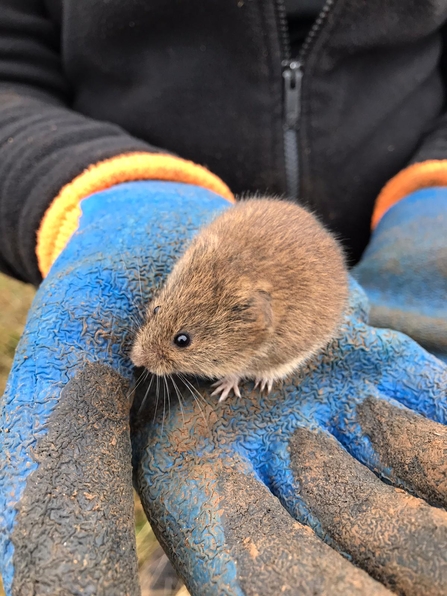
222 484
404 269
232 489
66 499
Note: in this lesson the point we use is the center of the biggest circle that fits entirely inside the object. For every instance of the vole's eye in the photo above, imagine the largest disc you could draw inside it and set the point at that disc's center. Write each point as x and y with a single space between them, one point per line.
156 309
182 340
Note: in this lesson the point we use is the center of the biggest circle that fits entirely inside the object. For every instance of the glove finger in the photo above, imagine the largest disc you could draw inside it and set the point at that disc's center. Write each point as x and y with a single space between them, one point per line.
389 361
398 539
68 309
220 525
73 531
413 377
398 444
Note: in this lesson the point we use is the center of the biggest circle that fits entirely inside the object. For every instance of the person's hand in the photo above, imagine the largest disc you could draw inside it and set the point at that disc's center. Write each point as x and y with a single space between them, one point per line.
66 500
351 447
404 269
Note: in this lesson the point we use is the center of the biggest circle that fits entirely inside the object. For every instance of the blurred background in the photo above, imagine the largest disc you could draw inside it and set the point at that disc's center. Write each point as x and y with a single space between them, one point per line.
157 577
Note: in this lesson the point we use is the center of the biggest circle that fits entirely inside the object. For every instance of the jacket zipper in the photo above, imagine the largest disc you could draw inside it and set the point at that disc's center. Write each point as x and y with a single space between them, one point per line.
292 75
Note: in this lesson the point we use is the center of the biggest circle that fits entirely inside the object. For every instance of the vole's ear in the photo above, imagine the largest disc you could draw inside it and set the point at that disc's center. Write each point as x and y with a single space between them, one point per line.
263 304
258 309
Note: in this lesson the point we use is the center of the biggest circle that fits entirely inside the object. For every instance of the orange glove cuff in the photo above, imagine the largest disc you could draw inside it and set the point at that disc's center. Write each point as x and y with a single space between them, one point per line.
415 177
62 216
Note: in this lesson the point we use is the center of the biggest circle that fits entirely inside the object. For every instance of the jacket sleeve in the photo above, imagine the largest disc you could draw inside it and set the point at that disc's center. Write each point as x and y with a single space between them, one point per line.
43 144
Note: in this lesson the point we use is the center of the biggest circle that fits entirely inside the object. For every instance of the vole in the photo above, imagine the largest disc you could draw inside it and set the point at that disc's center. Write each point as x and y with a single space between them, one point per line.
258 291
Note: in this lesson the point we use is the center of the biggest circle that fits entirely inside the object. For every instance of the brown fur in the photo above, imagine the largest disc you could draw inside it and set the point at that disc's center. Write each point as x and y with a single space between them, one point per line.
259 289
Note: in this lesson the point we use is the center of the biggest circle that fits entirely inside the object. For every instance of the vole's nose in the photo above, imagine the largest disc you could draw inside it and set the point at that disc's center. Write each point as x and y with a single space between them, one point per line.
159 364
151 357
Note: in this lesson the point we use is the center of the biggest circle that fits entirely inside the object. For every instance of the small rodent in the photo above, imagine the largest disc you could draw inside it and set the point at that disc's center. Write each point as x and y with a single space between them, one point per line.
258 291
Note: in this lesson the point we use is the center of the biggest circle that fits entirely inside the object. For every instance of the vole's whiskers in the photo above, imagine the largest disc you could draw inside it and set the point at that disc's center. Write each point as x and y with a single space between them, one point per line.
143 377
136 322
146 394
157 394
164 407
199 394
179 397
167 395
191 387
194 392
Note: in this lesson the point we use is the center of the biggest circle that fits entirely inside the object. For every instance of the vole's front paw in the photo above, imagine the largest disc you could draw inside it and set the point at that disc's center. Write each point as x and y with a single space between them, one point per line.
225 385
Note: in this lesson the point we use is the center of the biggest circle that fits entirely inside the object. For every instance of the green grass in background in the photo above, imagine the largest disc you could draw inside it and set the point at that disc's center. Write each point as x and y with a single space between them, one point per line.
157 577
15 300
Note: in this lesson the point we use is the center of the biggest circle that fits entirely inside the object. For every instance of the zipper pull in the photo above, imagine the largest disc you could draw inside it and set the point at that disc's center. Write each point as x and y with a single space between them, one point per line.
292 76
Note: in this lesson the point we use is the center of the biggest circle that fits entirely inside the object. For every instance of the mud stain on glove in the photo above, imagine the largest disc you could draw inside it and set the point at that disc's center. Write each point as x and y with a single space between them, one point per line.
74 532
397 538
277 555
413 447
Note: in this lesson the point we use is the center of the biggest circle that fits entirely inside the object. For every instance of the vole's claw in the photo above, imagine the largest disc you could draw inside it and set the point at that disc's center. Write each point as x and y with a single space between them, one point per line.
264 383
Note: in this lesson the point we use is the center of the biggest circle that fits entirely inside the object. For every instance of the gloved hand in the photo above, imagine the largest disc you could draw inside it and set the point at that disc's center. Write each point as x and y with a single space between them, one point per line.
66 499
209 475
404 269
340 448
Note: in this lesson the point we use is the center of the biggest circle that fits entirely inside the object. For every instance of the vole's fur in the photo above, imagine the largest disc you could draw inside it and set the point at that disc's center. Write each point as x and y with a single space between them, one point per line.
259 290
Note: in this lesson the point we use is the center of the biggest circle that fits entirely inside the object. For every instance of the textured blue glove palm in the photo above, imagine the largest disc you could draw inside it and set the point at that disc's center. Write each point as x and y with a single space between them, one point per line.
218 517
223 485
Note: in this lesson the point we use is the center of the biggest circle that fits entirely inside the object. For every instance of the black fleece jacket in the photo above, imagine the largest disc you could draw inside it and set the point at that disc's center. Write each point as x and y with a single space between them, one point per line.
84 80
